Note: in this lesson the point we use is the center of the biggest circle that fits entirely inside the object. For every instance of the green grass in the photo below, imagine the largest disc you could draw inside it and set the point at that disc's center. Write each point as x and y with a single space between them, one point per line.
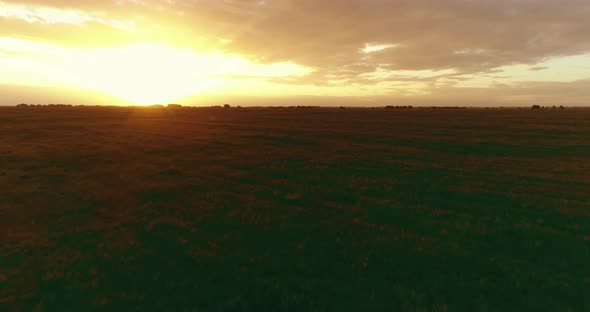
294 210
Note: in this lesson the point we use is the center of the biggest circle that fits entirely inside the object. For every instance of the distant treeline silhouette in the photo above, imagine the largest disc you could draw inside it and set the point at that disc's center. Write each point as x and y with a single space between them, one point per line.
543 107
399 107
300 106
46 105
447 107
227 106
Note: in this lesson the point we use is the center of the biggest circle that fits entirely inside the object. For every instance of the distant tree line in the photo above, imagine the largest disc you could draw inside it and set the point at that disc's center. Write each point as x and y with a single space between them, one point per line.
447 107
46 105
399 107
305 107
543 107
226 106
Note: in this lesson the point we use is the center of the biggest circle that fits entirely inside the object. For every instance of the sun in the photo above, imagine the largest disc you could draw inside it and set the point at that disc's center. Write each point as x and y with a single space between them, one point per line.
142 74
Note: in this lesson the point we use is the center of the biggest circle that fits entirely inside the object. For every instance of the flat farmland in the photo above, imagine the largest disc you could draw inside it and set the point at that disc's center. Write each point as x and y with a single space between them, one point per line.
286 209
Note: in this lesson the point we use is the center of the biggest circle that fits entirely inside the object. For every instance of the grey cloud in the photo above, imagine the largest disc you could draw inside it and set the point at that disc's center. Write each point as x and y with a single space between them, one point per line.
536 68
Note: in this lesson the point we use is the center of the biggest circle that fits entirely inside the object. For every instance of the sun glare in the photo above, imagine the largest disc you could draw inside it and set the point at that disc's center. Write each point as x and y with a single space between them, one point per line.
140 73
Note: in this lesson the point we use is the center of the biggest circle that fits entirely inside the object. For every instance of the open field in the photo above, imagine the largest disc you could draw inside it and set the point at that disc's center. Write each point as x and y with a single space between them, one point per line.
294 209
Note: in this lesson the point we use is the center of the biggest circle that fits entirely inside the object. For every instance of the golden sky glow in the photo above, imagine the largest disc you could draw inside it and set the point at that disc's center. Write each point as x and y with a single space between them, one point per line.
359 51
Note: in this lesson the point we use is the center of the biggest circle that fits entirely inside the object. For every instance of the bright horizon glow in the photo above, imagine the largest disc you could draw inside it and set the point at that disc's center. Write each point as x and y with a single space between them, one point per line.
140 73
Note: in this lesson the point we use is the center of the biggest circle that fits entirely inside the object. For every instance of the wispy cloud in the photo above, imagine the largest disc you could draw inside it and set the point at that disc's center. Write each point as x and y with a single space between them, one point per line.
45 15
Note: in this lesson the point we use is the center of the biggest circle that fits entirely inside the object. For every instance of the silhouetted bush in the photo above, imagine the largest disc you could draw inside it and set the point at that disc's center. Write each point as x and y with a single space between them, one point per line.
226 106
174 106
536 107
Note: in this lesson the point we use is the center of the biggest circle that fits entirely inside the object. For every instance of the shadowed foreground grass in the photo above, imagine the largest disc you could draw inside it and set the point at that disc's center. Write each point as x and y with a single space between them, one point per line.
294 209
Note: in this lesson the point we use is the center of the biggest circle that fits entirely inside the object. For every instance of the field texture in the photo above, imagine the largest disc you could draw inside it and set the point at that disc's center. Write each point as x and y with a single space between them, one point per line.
212 209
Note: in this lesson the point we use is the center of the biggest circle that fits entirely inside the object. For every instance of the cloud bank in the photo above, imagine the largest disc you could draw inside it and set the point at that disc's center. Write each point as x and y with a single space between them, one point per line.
433 49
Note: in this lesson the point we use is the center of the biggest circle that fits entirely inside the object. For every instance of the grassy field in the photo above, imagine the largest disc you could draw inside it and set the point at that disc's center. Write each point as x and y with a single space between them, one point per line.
256 209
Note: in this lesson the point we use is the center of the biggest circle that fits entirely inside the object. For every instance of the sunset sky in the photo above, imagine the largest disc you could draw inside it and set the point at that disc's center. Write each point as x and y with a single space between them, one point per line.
273 52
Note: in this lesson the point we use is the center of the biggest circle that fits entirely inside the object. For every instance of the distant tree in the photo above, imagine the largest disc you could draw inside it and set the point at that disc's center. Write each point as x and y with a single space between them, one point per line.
561 107
536 107
226 106
22 105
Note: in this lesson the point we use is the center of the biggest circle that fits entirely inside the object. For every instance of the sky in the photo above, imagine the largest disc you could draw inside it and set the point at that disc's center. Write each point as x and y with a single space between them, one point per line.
304 52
